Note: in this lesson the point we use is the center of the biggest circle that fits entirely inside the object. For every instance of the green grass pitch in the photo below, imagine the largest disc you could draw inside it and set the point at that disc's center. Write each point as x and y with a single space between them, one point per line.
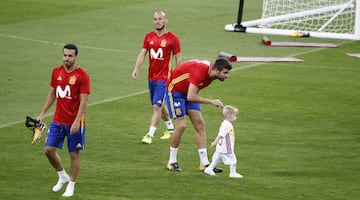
298 131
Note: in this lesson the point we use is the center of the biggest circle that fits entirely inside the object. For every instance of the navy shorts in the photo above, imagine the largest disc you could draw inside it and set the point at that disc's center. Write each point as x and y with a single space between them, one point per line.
178 105
158 92
56 135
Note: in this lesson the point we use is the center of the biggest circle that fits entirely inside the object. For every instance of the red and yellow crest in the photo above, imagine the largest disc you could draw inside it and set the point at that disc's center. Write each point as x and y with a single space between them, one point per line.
72 80
178 111
163 43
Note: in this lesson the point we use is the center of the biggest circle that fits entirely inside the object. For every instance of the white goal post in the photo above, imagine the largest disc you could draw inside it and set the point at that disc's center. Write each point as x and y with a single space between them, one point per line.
338 19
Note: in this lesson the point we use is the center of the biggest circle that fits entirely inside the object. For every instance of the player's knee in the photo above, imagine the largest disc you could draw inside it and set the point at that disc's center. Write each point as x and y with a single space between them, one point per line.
48 151
181 127
199 123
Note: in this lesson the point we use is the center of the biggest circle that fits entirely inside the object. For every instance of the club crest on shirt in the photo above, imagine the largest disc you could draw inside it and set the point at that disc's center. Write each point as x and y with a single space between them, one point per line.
163 43
178 111
72 80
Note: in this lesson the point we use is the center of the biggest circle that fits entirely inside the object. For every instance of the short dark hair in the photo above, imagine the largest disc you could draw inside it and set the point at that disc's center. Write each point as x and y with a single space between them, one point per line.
71 46
222 63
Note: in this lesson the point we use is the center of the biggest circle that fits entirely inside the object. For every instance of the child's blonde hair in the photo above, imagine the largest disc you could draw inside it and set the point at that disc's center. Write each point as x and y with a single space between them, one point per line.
229 110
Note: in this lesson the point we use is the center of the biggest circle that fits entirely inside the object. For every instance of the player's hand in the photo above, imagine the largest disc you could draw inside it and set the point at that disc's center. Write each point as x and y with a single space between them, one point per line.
213 144
75 128
40 118
217 103
134 75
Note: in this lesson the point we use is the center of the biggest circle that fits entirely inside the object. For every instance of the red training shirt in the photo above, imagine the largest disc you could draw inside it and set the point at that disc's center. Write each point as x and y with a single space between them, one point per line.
161 49
68 87
193 71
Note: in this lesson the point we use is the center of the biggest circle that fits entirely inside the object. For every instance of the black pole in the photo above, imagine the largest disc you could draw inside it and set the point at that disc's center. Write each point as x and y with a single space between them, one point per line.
240 11
238 27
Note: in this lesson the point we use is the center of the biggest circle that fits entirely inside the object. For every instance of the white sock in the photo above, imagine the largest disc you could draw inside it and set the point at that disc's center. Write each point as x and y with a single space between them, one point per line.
203 156
233 169
69 189
169 125
173 155
63 178
152 130
62 174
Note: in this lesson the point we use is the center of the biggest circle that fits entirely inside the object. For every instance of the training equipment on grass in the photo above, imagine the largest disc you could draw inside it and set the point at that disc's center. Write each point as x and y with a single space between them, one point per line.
300 34
338 19
233 58
230 57
37 128
356 55
268 42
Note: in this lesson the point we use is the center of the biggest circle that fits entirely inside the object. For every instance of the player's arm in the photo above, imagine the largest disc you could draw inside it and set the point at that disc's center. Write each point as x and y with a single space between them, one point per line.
216 140
193 96
139 61
48 103
177 59
82 109
177 51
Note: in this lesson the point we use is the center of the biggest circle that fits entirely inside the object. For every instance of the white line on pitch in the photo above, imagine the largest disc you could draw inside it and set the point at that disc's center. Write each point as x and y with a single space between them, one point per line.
91 104
117 98
61 44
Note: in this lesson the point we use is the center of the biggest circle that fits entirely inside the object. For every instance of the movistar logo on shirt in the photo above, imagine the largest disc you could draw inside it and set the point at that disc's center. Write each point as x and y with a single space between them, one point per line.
158 55
63 93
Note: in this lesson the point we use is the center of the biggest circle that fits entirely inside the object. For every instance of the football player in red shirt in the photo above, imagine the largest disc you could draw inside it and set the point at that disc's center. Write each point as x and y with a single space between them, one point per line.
70 88
183 86
162 45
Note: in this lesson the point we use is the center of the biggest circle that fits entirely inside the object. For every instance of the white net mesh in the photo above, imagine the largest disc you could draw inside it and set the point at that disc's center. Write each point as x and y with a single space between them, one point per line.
331 16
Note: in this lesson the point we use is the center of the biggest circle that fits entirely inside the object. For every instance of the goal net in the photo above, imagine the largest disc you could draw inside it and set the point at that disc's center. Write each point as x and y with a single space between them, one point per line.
320 18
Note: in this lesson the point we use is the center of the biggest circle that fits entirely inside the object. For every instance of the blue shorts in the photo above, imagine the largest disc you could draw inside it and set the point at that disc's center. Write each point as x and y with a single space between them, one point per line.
179 105
57 133
158 92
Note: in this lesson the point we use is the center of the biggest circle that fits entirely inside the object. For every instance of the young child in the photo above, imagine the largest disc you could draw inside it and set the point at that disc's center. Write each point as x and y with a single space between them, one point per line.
225 144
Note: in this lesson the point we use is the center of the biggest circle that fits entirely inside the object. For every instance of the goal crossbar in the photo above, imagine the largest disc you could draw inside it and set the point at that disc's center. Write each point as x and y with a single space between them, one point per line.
257 26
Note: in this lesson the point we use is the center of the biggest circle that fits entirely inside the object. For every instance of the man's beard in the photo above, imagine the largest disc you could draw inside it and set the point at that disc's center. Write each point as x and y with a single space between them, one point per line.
68 64
160 29
221 79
